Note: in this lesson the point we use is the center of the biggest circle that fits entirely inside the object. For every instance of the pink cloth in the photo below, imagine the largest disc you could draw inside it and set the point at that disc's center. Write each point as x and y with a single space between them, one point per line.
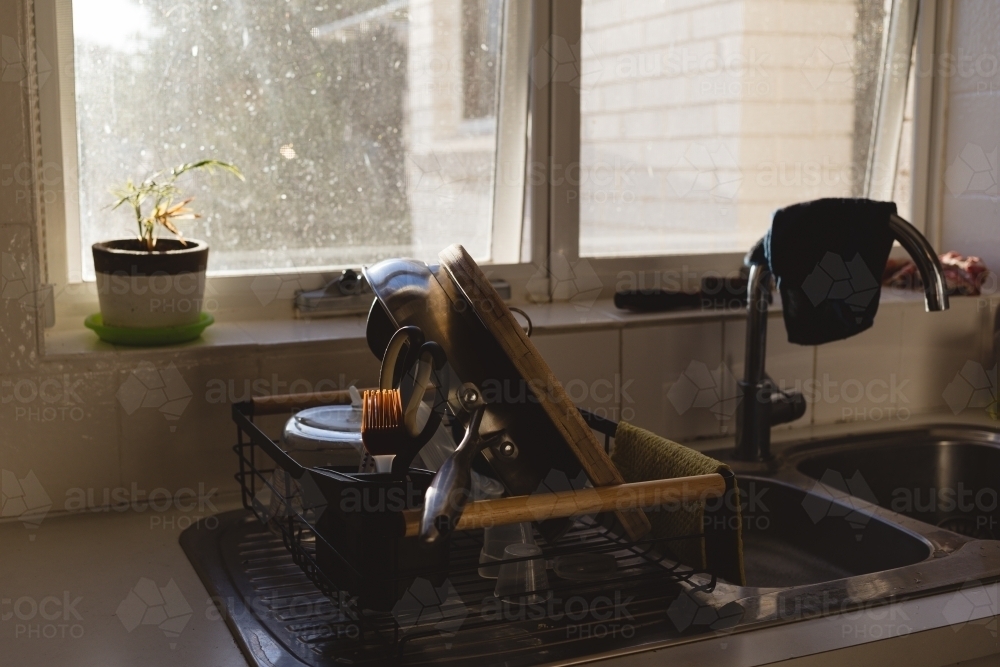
963 275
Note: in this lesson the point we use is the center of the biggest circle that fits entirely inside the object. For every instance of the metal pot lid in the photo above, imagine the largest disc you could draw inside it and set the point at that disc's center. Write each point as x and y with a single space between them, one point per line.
324 426
344 418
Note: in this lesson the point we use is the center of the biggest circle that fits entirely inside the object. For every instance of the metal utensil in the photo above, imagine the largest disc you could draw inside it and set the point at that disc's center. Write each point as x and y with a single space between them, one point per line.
391 429
451 487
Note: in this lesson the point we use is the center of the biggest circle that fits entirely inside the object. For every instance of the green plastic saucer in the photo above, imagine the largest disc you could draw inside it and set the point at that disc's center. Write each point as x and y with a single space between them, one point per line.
147 337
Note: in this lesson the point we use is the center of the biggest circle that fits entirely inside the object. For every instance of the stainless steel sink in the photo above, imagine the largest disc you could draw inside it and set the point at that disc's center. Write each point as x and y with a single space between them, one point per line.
865 519
948 476
793 537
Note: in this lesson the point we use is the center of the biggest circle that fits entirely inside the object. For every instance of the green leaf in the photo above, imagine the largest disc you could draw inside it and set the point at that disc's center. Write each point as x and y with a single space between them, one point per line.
162 193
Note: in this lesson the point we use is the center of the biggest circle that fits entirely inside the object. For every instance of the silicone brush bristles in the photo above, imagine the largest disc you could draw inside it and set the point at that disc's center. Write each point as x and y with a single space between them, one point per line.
382 426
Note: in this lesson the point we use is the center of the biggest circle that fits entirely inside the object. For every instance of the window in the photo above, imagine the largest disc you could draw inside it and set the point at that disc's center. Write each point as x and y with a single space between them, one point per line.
366 128
700 118
480 58
377 128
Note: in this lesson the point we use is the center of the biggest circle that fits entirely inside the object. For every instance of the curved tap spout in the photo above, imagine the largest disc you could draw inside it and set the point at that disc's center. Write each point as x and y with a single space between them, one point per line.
928 264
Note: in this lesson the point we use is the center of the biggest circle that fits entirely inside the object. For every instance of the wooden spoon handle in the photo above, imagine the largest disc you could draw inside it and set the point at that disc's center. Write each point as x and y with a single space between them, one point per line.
273 405
543 506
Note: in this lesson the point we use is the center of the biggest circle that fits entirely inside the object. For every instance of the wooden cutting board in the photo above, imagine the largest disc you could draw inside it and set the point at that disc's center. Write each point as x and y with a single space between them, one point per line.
497 318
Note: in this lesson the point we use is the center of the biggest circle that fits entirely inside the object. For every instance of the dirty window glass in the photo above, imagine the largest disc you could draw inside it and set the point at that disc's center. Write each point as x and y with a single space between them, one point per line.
700 118
365 128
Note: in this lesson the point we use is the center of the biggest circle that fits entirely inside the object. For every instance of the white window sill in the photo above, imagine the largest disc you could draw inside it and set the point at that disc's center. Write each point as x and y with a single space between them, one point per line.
547 318
221 335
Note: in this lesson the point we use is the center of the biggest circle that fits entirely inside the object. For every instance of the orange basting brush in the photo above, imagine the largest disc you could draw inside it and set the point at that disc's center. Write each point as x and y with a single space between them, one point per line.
382 426
390 445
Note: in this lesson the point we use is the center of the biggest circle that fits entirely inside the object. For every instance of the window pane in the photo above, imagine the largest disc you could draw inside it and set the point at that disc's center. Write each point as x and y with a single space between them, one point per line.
700 118
903 180
366 128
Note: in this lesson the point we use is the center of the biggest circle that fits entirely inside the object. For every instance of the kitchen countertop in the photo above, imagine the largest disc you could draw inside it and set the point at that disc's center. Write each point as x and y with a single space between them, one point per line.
66 598
60 591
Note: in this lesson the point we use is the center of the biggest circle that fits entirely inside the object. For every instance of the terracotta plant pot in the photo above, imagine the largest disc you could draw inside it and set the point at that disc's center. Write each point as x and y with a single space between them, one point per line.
140 289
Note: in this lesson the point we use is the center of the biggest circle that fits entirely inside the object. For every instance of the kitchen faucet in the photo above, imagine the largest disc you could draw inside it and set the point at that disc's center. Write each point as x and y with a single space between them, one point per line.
762 405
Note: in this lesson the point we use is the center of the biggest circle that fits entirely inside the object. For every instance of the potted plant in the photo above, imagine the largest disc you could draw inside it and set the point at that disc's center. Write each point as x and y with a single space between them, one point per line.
149 282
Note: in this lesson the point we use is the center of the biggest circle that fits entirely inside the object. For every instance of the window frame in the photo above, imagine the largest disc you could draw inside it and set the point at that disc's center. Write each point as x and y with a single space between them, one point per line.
232 293
913 25
542 213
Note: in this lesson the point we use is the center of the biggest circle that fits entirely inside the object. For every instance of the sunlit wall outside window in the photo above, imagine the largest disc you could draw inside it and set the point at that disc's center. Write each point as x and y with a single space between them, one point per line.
700 118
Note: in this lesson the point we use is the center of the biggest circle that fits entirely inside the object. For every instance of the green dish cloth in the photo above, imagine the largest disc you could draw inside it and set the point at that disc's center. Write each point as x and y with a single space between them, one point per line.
643 456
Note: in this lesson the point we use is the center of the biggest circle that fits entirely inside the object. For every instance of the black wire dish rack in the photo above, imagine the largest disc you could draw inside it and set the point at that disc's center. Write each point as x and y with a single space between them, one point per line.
389 600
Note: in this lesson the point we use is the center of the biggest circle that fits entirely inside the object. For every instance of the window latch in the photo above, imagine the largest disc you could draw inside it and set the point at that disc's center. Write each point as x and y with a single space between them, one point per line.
348 294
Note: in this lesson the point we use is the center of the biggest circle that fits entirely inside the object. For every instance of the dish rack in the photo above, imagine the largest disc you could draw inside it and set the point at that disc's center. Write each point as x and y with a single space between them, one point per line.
411 600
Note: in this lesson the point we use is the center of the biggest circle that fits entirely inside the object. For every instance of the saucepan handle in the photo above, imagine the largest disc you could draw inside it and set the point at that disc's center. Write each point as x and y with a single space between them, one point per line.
395 362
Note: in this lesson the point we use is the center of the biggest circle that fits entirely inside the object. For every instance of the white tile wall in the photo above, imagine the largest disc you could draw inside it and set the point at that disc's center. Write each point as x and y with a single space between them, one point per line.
668 378
677 379
589 367
193 445
854 376
937 346
63 428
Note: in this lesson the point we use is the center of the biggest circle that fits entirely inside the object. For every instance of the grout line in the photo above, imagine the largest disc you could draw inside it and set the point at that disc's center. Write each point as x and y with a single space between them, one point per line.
119 425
